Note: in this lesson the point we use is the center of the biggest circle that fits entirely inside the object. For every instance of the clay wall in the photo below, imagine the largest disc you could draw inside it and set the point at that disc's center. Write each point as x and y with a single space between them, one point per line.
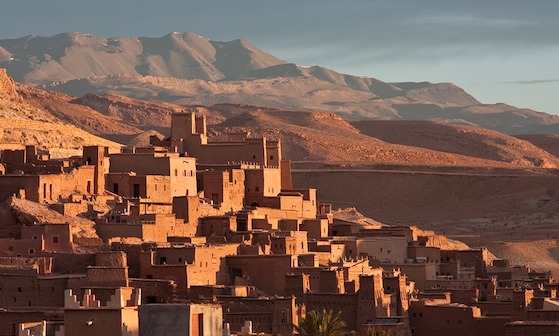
25 290
56 237
293 243
71 263
225 188
259 312
261 183
155 290
20 247
316 228
266 272
181 319
11 184
181 170
9 320
431 254
435 320
477 258
384 249
522 328
105 322
344 303
177 273
70 209
216 225
419 273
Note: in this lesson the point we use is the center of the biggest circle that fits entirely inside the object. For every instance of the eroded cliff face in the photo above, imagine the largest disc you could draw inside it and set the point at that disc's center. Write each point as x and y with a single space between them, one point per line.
7 85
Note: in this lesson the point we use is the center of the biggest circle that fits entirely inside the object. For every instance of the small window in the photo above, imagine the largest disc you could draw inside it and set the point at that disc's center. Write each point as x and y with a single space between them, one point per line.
156 187
149 276
184 173
55 239
254 157
180 260
11 248
31 251
35 237
271 157
176 172
19 289
257 189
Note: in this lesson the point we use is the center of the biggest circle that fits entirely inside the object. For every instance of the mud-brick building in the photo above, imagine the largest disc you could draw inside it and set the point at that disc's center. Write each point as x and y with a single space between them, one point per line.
188 265
152 173
181 319
28 176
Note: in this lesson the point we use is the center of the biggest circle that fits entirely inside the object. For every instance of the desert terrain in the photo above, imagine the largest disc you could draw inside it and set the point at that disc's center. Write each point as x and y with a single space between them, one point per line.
420 154
185 68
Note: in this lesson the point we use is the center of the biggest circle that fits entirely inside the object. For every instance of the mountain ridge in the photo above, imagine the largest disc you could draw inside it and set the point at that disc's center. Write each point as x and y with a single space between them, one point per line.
189 69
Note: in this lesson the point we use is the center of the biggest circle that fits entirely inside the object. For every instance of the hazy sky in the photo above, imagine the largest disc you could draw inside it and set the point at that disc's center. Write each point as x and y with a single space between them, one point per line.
497 50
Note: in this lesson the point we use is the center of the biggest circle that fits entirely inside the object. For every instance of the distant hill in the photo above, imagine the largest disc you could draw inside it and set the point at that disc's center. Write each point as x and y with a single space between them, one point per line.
305 135
458 139
185 68
22 124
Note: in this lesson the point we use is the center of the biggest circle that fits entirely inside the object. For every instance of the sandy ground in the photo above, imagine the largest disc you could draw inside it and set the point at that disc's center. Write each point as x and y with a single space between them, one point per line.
512 213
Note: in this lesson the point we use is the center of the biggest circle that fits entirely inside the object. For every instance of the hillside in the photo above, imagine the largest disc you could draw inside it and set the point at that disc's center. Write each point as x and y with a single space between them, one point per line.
22 124
305 135
548 142
189 69
458 139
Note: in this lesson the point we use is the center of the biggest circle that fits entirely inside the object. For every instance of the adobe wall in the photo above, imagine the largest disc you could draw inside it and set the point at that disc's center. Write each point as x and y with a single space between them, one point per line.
20 247
266 272
71 263
477 258
259 312
176 319
316 228
10 319
525 328
419 273
70 209
216 226
56 237
21 290
206 264
385 249
344 303
182 170
442 320
112 230
11 184
431 254
155 290
105 322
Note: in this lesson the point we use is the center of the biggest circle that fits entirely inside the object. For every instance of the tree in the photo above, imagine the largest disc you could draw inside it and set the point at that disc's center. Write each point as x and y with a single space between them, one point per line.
321 323
377 331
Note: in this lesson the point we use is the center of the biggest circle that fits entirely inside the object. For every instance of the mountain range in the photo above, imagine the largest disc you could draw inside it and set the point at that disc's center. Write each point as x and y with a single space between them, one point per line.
185 68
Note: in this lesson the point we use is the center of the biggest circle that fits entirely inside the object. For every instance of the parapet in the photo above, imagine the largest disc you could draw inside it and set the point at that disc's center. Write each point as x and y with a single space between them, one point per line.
123 297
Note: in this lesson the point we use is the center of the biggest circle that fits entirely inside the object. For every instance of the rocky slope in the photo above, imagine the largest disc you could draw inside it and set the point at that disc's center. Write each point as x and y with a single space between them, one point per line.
459 139
305 135
22 124
189 69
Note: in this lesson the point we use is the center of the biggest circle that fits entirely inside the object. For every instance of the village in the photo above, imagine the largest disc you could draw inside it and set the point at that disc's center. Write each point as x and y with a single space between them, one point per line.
193 237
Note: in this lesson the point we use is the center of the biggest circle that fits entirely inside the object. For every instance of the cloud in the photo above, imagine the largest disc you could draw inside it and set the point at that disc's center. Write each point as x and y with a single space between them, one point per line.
469 21
534 81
